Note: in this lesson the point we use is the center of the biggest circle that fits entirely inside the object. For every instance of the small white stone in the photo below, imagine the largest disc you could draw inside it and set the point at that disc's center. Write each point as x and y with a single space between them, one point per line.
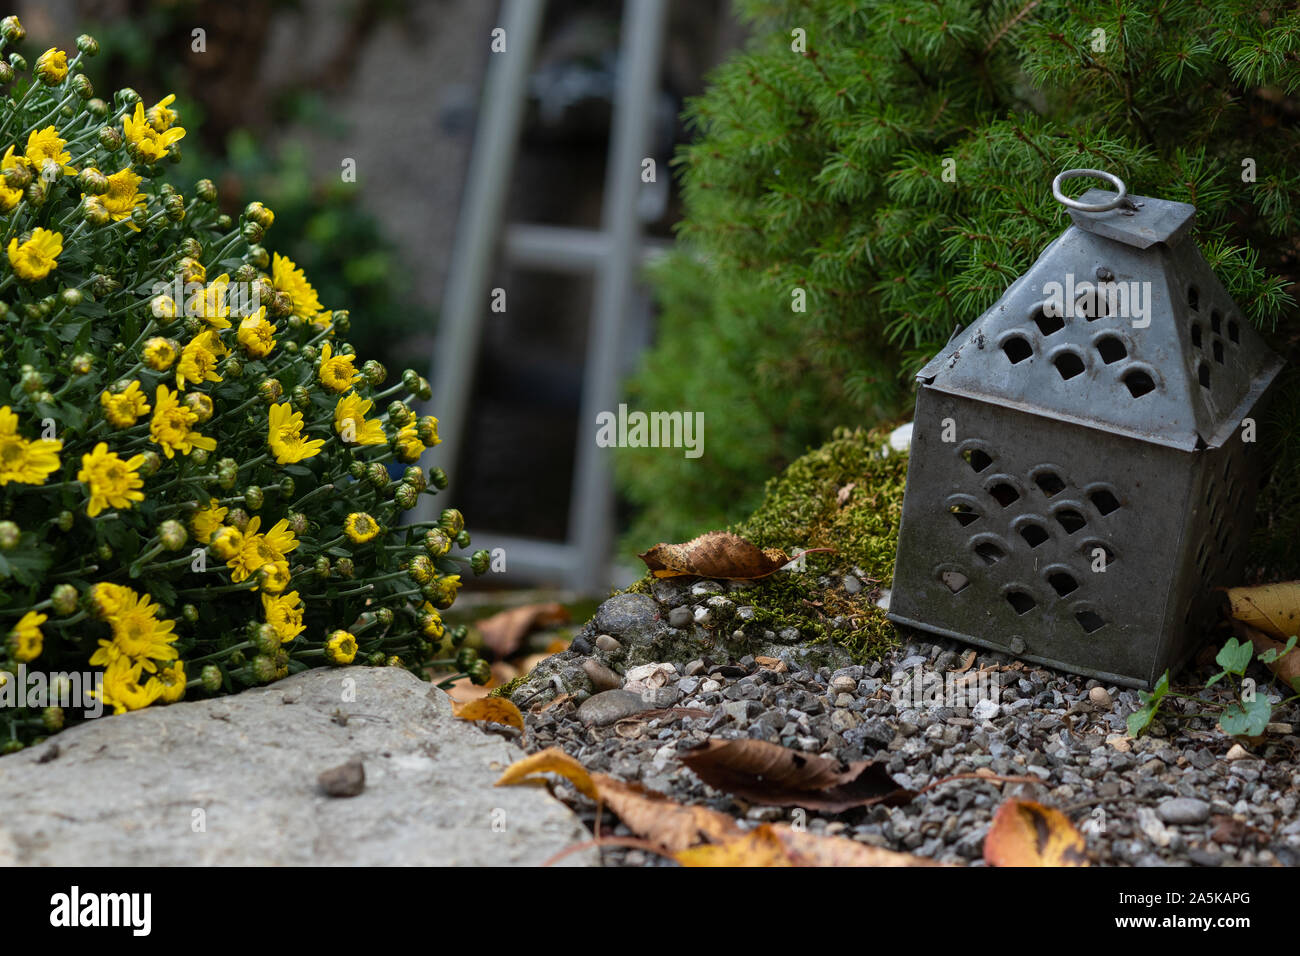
1238 752
1100 696
985 709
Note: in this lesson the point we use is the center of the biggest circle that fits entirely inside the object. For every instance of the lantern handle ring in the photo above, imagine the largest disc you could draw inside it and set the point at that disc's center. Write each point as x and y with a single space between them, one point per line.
1065 200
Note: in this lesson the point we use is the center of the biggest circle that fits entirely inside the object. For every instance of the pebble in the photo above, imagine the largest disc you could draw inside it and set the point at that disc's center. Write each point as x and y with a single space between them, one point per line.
1237 752
605 708
602 678
1183 810
345 780
985 709
1100 696
607 644
679 616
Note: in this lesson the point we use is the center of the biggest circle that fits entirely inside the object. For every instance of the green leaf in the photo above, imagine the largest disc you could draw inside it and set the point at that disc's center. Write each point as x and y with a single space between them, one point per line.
1249 718
1235 657
1273 654
1141 718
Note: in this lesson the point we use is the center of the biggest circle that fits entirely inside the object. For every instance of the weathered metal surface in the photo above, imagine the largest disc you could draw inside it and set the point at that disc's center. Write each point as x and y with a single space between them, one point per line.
1095 484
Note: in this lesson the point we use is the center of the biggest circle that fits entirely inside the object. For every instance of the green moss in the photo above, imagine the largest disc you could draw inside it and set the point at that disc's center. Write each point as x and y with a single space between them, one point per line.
801 509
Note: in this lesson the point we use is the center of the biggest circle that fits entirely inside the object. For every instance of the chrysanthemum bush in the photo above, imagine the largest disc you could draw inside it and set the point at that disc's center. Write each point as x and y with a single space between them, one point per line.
195 483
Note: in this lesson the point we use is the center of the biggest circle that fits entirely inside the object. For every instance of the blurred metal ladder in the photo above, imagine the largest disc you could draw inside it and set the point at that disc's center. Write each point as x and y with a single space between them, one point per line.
613 254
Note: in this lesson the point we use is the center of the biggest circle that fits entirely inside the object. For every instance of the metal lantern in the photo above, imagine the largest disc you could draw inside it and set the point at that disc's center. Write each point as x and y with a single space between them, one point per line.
1084 459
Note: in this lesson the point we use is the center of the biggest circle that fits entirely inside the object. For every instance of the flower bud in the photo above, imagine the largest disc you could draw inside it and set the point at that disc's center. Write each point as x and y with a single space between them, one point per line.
82 364
374 372
104 552
6 72
190 613
265 639
92 181
300 397
438 478
52 719
12 30
257 256
357 470
211 678
459 634
63 599
259 214
451 521
174 208
199 456
36 192
253 497
237 518
127 96
437 542
480 561
465 656
200 404
65 520
10 534
273 578
226 542
414 476
223 222
172 535
399 413
206 190
406 496
480 672
82 86
462 539
18 62
97 107
345 567
410 378
377 475
298 523
252 232
322 566
110 139
190 269
427 430
234 367
17 177
270 390
87 44
420 569
288 486
263 669
52 66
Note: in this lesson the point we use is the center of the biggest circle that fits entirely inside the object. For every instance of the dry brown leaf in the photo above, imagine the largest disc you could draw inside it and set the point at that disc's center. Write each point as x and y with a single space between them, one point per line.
651 815
770 774
1025 833
504 631
966 663
773 664
718 554
759 847
550 760
1272 608
492 710
1286 668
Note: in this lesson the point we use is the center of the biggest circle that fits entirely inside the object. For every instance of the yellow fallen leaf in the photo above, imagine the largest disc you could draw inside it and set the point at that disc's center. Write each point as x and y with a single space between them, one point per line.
651 815
717 554
492 710
1272 608
760 847
1025 833
550 760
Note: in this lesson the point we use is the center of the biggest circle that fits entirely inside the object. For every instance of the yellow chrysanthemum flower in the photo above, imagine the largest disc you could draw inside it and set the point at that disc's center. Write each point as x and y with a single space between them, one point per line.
9 198
159 353
285 436
408 446
106 598
360 527
341 648
273 577
207 520
284 613
431 625
139 634
122 689
350 421
148 145
227 542
198 362
21 461
173 682
26 639
289 279
38 256
259 549
113 482
210 305
336 371
160 116
52 66
122 198
172 425
123 408
47 144
256 334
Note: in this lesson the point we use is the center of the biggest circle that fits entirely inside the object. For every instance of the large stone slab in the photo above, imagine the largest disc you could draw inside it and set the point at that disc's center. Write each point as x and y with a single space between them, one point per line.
233 780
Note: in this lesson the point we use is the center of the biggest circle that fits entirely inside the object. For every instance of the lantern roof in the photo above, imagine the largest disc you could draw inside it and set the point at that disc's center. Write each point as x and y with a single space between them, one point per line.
1120 325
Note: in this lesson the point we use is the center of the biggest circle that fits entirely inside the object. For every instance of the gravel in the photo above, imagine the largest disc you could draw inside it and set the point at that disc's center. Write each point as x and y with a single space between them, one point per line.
1182 794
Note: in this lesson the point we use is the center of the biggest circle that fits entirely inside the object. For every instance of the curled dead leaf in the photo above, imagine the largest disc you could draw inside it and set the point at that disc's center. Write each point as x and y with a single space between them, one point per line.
783 845
550 760
1286 667
717 554
1025 833
492 710
770 774
504 631
1271 608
